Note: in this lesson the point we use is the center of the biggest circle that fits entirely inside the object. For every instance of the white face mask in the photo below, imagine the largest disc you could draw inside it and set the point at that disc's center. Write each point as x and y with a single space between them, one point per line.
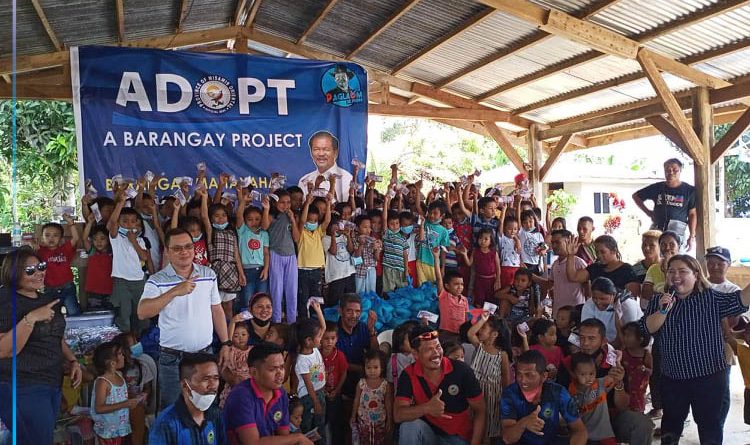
201 401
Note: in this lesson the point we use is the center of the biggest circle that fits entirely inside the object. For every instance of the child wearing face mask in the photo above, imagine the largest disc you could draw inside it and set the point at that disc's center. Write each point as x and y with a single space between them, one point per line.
408 232
128 278
195 226
311 257
140 376
283 231
224 253
395 251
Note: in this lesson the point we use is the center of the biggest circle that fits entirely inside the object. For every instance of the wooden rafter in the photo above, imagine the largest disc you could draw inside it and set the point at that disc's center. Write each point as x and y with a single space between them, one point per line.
667 129
252 14
505 145
602 40
120 10
238 12
317 20
554 156
472 21
644 109
731 136
533 77
391 20
461 114
47 27
674 110
622 80
184 9
533 39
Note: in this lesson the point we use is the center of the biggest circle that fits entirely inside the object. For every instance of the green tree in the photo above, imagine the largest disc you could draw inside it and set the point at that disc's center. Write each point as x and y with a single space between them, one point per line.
561 202
46 162
736 179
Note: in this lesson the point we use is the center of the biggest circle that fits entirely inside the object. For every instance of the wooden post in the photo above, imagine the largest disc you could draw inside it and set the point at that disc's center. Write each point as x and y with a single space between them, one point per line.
536 161
703 123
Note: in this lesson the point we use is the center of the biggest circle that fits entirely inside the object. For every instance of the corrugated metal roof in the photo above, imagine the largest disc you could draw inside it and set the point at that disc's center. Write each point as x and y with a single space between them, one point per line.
83 22
31 38
423 24
206 14
708 34
161 18
632 17
288 18
349 23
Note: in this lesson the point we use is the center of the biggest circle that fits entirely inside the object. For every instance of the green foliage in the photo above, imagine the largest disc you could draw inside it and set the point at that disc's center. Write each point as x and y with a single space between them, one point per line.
736 180
45 162
561 203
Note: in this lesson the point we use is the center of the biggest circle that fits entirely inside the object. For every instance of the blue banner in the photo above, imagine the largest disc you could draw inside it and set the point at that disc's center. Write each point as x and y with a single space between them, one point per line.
141 110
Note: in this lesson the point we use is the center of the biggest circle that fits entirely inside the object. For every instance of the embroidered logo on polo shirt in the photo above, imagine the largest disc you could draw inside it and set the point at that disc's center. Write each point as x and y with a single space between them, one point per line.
277 416
211 436
453 390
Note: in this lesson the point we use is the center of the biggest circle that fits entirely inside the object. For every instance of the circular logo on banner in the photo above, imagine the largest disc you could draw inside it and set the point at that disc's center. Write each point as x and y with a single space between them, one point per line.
215 94
253 244
341 86
453 390
277 416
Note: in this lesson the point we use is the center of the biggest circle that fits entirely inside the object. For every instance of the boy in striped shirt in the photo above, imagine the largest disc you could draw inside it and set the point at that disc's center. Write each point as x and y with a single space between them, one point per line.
395 251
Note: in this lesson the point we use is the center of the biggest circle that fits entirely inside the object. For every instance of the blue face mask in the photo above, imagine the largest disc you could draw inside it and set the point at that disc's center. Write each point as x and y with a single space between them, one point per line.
450 230
220 226
136 350
123 231
146 217
407 229
197 238
311 226
391 232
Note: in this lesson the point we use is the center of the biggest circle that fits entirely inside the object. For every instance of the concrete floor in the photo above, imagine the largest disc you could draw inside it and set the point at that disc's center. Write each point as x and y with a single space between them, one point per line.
736 432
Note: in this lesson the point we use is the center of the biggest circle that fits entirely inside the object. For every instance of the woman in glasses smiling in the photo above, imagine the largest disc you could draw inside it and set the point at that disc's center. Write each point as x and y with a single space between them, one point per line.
41 351
686 324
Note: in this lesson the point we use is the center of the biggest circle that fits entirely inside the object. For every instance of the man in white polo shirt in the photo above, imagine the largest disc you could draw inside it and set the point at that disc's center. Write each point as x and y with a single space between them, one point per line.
186 298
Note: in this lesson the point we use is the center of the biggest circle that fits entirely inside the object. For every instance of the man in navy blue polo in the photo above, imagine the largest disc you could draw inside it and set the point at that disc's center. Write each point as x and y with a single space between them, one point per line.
354 338
193 419
259 407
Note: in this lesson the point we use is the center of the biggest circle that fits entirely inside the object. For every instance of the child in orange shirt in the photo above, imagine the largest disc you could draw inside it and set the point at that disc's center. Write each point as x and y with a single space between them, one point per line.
453 305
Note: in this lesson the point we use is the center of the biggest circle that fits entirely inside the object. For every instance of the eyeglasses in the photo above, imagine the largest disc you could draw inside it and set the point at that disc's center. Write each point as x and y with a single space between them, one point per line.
432 335
185 248
41 267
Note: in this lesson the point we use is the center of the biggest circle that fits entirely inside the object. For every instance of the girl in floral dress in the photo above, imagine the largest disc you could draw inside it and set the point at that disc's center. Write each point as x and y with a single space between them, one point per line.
372 419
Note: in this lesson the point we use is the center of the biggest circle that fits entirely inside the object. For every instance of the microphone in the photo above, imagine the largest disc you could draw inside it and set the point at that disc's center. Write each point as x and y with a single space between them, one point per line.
670 290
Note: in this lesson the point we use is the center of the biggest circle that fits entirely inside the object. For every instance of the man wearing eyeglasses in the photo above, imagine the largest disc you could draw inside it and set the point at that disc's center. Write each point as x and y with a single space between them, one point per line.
186 298
438 400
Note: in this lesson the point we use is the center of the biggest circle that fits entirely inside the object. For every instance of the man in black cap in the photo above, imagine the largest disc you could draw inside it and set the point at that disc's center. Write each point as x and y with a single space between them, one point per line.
438 400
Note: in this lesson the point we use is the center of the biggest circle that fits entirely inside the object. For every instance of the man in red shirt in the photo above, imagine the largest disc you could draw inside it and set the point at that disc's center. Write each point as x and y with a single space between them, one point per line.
336 370
58 253
438 400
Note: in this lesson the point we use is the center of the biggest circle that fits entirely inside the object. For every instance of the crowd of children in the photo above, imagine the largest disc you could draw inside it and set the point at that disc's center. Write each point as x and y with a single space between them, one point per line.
298 251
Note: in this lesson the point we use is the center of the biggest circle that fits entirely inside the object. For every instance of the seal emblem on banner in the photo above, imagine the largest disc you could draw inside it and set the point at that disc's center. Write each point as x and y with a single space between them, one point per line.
341 86
215 94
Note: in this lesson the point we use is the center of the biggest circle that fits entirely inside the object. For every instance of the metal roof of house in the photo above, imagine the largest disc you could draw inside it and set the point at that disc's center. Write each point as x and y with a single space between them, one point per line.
461 47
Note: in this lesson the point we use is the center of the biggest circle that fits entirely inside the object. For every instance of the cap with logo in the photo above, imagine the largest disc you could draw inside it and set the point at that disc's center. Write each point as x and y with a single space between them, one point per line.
719 252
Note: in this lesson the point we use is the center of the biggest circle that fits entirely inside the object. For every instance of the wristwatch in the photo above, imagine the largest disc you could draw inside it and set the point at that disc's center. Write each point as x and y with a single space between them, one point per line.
227 343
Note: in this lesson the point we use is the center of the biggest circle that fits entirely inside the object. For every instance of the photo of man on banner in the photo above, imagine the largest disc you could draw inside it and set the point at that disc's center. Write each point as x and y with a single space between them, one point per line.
324 151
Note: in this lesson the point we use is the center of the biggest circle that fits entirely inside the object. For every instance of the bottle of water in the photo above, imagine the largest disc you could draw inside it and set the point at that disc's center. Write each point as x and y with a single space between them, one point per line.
16 234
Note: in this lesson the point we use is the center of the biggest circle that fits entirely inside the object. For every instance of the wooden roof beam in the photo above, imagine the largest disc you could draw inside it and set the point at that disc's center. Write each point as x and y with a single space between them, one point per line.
693 144
472 21
252 14
618 81
667 129
239 12
554 156
317 20
533 39
731 136
391 20
59 58
505 145
47 27
596 37
184 10
460 114
120 11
